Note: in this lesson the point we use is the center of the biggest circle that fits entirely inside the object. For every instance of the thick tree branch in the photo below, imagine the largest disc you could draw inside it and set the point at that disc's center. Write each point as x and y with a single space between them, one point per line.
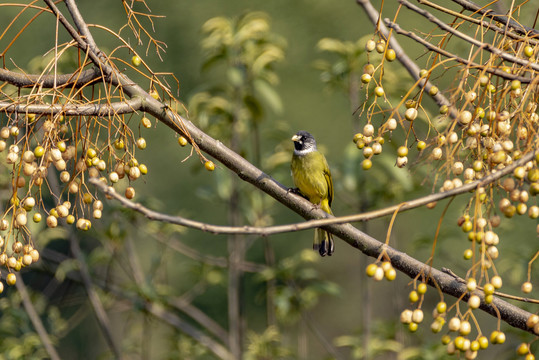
77 79
248 172
117 108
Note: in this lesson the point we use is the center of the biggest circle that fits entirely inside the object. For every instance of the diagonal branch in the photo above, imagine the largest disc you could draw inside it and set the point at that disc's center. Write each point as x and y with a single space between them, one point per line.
447 54
99 310
35 319
403 58
490 48
159 311
504 19
310 224
511 314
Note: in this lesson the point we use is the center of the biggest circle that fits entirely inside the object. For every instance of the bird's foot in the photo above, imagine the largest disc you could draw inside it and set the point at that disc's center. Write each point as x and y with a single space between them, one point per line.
296 191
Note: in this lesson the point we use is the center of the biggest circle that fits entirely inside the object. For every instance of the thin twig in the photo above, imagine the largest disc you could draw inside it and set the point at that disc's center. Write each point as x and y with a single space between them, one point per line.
488 47
95 301
248 172
403 58
504 19
447 54
35 319
158 310
481 22
174 320
222 262
277 229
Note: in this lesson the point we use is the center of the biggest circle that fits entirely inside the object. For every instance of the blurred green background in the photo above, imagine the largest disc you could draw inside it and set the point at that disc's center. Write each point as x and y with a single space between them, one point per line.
349 305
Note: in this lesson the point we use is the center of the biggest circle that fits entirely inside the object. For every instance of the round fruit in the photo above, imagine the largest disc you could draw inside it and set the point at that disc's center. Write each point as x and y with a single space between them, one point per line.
209 165
441 307
370 45
11 279
136 61
371 270
527 287
413 297
390 55
402 151
130 192
39 151
182 141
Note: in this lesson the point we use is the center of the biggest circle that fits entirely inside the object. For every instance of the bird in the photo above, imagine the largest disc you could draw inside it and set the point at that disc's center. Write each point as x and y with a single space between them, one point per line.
312 177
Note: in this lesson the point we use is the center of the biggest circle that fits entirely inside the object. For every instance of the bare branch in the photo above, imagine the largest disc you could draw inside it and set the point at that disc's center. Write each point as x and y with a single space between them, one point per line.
222 262
403 58
159 311
310 224
95 301
124 107
174 320
521 29
490 48
77 79
35 319
481 22
469 64
248 172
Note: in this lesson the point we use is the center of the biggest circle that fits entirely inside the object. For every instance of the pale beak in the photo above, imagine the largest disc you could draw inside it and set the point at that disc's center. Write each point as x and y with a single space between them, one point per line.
296 138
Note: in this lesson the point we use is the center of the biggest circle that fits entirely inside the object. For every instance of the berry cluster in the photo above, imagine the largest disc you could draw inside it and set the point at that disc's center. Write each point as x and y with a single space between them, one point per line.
489 122
52 157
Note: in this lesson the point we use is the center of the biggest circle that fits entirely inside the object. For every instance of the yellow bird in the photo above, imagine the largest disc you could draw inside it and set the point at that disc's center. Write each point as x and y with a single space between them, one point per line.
311 175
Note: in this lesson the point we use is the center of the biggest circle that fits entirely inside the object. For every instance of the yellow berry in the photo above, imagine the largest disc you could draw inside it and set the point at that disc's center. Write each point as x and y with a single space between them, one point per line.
154 94
136 61
483 342
39 151
402 151
119 144
11 279
91 153
209 165
366 164
441 307
143 169
182 141
371 269
523 349
146 122
390 55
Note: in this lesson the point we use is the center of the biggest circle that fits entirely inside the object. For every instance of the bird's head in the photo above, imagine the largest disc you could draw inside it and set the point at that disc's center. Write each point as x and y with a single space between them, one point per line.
303 143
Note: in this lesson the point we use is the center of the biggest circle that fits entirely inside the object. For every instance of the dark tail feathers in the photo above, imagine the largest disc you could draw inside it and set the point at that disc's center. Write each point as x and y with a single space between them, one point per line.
323 242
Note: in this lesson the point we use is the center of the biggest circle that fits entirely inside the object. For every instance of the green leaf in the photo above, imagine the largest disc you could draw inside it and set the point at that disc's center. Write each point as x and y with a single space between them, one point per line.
269 96
331 45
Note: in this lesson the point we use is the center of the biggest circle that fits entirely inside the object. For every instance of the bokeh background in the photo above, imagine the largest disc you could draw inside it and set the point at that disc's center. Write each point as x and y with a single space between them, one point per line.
349 309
